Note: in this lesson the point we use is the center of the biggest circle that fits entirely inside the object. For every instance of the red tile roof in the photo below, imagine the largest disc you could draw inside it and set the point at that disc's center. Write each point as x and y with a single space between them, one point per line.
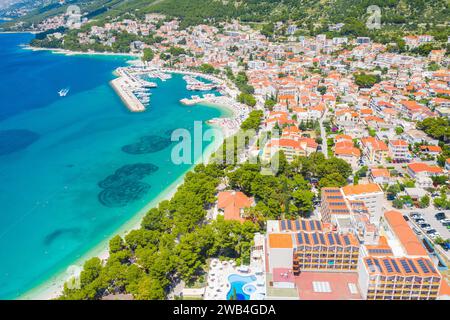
361 189
404 234
423 167
231 202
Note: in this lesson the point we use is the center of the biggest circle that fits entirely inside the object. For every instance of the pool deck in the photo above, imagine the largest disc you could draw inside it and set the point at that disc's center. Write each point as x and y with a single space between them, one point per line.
218 284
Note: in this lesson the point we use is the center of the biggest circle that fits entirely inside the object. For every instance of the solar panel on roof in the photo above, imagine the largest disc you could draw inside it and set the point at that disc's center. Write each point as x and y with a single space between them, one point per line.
388 265
378 264
394 263
338 239
330 238
312 226
297 225
289 222
307 238
347 240
316 241
413 265
423 266
304 225
283 225
380 251
318 225
405 266
299 238
430 266
322 238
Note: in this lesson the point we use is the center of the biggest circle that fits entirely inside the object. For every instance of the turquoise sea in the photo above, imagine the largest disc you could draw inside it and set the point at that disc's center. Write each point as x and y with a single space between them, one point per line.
73 170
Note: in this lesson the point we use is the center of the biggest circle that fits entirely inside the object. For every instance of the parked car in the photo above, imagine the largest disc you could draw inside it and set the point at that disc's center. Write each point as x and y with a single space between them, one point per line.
424 225
419 221
431 231
417 231
405 217
440 216
426 229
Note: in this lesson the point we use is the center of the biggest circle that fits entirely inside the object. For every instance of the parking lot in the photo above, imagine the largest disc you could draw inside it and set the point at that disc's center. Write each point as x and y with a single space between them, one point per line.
429 218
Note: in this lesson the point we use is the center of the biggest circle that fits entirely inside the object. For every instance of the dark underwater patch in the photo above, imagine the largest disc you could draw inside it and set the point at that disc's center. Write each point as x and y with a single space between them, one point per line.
15 140
130 172
147 144
124 186
50 238
122 195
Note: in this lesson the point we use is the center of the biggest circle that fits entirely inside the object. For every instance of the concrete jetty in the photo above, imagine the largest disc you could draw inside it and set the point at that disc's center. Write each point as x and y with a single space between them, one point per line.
122 86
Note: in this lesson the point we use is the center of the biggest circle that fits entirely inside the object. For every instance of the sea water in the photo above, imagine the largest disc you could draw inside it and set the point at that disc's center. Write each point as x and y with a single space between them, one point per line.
74 169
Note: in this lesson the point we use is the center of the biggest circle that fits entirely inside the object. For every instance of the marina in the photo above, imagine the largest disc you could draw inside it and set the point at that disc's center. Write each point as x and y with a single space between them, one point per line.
194 84
133 88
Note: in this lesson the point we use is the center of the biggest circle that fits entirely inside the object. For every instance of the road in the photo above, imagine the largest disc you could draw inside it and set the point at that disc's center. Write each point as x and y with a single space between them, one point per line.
323 134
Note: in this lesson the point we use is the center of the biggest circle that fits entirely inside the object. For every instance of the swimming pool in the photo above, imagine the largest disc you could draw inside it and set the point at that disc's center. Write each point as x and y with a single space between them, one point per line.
241 285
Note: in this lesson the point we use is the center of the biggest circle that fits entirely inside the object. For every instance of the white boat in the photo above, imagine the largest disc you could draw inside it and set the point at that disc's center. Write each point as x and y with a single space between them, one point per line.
63 92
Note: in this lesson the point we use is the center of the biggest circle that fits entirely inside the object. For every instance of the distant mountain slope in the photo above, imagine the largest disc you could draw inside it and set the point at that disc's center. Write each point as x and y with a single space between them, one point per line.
409 13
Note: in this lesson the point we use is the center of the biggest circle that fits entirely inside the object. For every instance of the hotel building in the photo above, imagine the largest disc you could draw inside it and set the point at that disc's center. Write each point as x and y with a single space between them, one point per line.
389 278
309 245
329 251
399 268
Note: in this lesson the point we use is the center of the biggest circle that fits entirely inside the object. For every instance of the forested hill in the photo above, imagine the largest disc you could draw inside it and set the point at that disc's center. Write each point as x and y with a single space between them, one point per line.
311 14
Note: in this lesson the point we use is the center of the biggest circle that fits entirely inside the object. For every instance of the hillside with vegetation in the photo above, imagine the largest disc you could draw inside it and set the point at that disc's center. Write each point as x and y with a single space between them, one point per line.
312 17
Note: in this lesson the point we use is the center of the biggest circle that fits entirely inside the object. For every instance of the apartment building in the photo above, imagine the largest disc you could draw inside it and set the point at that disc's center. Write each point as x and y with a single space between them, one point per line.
291 148
417 168
398 151
374 150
